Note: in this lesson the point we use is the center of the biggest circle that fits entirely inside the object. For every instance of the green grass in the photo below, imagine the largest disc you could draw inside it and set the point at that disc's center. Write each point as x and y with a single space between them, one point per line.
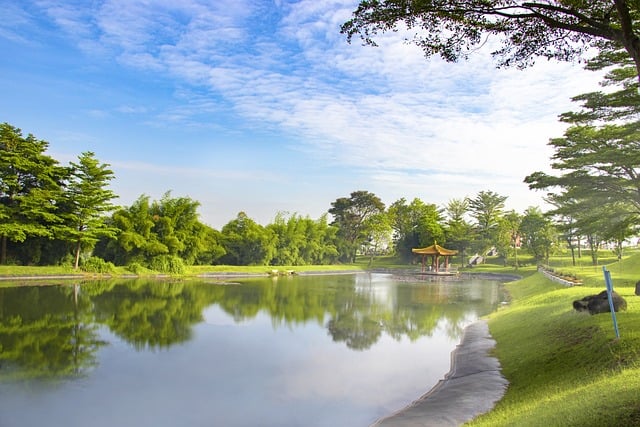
33 271
565 367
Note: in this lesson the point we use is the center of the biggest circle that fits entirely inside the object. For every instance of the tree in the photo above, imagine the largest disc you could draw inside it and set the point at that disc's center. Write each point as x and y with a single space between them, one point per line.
509 240
379 233
30 188
301 241
247 242
350 215
460 233
538 233
87 201
486 208
598 157
416 224
554 29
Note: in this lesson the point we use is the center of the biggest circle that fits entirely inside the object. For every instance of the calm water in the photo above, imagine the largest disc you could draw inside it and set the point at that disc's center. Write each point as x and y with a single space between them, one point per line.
290 351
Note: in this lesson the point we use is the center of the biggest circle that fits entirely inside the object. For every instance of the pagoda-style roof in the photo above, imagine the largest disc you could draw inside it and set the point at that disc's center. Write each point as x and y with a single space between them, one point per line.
434 249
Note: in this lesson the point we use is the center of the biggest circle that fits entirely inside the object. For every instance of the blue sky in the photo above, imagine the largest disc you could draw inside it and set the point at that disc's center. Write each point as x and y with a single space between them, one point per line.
262 106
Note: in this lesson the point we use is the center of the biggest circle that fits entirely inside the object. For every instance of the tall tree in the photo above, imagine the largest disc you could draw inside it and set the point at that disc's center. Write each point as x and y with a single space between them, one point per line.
486 208
598 158
30 187
350 215
88 200
460 233
553 29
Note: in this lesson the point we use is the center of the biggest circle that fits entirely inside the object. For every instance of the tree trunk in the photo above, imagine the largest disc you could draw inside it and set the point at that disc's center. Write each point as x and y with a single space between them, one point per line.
630 40
78 247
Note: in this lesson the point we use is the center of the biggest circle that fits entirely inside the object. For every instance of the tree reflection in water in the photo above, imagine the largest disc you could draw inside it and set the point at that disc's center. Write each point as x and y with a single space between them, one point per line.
53 331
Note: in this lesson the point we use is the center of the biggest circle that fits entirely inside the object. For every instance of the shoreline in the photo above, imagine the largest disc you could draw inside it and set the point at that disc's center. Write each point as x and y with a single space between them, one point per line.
472 387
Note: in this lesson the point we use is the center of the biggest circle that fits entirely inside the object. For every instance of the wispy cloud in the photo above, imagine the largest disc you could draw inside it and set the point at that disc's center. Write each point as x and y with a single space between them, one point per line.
395 119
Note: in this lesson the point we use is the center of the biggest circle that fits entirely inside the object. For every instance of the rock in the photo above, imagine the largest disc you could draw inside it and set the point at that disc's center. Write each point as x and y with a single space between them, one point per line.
595 304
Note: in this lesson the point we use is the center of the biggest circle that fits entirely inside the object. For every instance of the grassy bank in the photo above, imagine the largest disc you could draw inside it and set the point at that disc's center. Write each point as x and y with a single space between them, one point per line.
9 271
566 368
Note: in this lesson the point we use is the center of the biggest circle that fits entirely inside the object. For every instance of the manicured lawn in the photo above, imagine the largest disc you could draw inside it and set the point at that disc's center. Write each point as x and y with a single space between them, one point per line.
566 368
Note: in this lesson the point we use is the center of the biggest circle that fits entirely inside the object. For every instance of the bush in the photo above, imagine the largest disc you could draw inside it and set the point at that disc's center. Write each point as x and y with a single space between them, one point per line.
136 268
97 265
167 264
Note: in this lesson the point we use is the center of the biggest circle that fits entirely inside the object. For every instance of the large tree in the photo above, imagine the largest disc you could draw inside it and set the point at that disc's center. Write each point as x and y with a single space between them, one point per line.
350 216
561 29
598 158
30 187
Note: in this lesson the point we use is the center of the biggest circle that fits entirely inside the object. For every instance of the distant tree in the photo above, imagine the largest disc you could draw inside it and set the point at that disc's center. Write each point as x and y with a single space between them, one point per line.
177 225
380 230
349 216
247 242
416 224
30 188
301 240
486 208
87 201
459 232
136 241
165 235
560 29
565 215
509 236
538 233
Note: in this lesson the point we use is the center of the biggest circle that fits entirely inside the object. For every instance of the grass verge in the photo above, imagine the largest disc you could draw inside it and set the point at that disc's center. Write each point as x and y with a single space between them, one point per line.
566 368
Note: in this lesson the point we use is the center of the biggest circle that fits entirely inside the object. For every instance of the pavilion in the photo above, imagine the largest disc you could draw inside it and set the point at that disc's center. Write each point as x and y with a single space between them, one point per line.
435 251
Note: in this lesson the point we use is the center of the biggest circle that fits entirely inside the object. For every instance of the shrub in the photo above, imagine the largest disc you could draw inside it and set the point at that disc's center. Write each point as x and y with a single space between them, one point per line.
97 265
167 264
136 268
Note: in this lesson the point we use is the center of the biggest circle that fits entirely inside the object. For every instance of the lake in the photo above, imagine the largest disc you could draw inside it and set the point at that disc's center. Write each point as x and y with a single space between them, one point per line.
325 350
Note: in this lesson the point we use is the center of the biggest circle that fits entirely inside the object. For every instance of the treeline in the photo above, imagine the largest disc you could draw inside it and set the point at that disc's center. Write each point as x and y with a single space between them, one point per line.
52 214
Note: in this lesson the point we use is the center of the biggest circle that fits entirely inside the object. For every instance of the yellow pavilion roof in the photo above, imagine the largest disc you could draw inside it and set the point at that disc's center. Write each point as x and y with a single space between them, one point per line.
434 249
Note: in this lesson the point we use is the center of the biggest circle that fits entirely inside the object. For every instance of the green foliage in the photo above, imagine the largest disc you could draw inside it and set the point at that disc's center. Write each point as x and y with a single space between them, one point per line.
97 265
559 29
247 242
30 188
302 241
416 224
86 200
170 264
350 217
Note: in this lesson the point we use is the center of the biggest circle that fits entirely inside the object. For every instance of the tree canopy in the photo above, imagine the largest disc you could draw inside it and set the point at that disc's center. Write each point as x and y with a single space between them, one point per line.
562 29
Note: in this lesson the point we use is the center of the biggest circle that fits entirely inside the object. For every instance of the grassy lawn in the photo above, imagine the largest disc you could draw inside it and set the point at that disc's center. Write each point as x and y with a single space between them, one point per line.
565 367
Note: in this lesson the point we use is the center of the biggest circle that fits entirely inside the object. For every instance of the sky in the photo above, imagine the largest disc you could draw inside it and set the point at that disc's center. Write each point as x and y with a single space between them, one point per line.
262 106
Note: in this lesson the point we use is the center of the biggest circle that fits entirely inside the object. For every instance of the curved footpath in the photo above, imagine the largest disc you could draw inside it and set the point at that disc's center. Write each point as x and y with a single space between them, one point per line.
472 387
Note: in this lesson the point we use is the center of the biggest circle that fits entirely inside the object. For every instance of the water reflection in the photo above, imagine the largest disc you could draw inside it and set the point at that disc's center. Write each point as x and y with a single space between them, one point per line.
48 331
206 338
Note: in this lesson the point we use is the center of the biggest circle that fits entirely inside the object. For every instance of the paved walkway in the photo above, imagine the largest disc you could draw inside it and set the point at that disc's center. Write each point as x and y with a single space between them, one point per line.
471 388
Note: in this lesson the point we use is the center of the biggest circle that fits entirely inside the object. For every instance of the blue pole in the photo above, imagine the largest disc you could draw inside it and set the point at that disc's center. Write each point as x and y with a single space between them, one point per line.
609 283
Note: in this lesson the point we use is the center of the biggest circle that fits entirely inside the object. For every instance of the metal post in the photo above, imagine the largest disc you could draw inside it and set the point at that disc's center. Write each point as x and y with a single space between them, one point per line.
609 283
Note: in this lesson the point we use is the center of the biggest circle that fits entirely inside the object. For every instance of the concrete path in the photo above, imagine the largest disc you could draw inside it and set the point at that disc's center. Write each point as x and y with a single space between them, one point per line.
471 388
